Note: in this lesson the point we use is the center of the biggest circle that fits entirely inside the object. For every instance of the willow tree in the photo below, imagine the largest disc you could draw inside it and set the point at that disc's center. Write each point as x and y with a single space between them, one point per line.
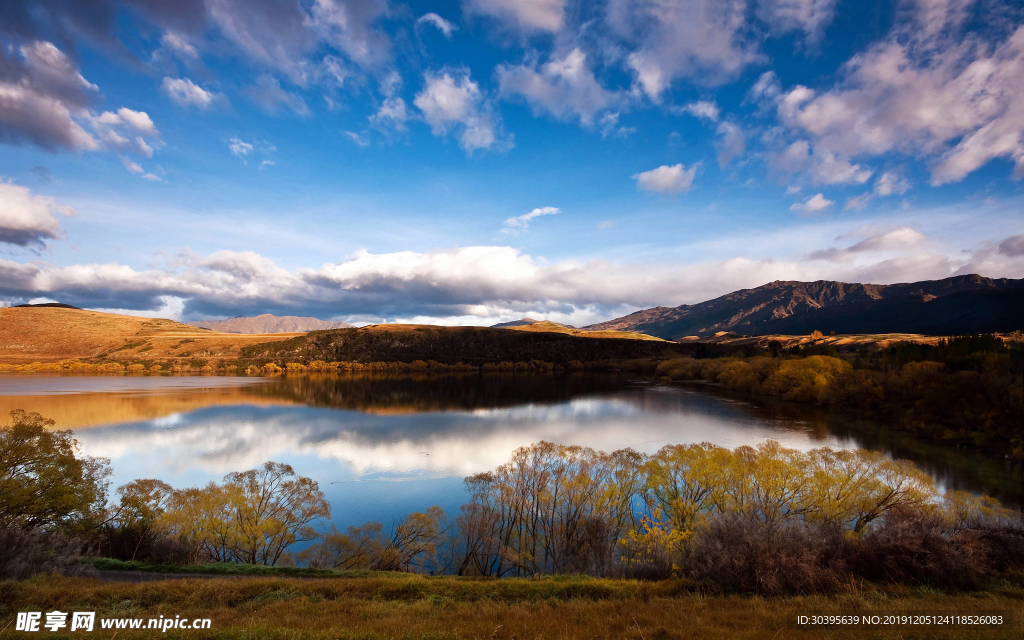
44 482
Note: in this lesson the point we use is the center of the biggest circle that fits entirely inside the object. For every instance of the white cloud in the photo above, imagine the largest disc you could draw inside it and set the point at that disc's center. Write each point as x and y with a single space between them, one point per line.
563 87
127 130
42 99
132 167
450 99
857 203
526 15
265 163
1013 246
239 147
890 183
930 92
485 282
179 45
609 126
348 25
667 179
703 109
809 16
442 25
521 223
357 139
815 204
730 143
28 220
792 190
706 41
186 93
896 240
268 94
392 112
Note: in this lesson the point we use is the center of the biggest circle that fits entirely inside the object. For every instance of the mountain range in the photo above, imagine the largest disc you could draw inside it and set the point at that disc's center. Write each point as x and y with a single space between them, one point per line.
955 305
267 323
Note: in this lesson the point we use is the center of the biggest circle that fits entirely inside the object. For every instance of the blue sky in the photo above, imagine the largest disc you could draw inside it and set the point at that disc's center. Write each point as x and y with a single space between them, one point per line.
477 161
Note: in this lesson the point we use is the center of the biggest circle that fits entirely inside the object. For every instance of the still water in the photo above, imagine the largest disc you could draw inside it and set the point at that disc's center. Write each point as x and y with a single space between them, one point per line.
381 447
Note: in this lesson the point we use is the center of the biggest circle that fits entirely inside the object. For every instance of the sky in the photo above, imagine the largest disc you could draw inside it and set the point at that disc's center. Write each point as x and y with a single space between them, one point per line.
478 161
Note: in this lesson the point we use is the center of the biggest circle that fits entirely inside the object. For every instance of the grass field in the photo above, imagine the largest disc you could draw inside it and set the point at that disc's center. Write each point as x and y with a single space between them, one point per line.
47 334
407 606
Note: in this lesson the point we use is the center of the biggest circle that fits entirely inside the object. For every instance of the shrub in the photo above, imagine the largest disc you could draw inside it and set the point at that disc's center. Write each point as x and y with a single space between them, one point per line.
24 553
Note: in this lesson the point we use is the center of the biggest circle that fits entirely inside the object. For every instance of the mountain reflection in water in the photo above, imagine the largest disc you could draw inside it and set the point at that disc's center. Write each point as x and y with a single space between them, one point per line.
383 446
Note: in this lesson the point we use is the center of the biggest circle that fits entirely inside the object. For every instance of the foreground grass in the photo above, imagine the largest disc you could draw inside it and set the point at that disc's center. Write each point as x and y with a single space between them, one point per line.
404 606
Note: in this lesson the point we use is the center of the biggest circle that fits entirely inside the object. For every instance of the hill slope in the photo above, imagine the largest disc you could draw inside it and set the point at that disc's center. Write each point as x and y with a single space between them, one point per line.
49 334
467 345
267 323
961 304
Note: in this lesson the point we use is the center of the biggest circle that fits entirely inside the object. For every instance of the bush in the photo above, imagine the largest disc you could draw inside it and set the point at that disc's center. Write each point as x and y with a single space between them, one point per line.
742 554
24 553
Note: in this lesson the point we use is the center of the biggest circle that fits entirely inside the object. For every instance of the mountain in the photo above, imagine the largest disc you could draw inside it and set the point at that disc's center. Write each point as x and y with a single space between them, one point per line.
514 323
956 305
267 323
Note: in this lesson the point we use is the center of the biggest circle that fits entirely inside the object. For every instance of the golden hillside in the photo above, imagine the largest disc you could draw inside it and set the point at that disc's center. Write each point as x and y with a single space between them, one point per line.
554 327
50 334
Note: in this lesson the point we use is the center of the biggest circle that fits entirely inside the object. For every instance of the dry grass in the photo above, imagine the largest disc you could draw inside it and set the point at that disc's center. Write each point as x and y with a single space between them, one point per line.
547 326
390 606
47 334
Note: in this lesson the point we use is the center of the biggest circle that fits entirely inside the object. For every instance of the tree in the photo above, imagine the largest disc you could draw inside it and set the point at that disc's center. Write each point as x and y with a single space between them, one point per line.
136 519
271 510
43 481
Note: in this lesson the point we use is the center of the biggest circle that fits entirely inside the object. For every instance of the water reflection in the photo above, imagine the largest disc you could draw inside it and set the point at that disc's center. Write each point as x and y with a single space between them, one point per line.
383 446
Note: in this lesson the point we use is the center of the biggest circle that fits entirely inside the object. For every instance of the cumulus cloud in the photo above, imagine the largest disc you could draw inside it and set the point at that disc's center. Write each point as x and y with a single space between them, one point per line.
393 112
667 179
244 150
521 223
890 183
930 91
28 220
451 100
478 283
564 87
703 109
188 94
706 41
525 15
815 204
127 130
43 97
440 23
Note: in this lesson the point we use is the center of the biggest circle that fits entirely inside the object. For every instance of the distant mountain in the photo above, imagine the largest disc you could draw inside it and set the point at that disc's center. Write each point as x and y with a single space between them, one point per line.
961 304
514 323
267 323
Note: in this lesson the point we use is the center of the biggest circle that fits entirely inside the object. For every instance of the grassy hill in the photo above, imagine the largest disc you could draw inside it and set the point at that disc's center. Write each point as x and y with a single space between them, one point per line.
467 345
52 334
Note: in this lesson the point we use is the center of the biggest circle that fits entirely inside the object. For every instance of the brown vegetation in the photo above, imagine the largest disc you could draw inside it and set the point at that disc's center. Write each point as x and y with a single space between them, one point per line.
49 335
385 606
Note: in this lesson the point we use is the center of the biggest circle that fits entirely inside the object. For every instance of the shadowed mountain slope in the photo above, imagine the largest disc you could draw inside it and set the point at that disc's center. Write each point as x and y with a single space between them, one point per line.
956 305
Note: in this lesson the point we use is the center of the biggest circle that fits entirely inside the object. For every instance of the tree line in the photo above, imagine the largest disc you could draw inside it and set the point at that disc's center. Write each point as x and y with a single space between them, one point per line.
763 519
966 390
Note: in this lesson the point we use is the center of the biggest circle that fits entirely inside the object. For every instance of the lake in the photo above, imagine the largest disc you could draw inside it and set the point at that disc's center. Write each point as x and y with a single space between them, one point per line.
381 447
